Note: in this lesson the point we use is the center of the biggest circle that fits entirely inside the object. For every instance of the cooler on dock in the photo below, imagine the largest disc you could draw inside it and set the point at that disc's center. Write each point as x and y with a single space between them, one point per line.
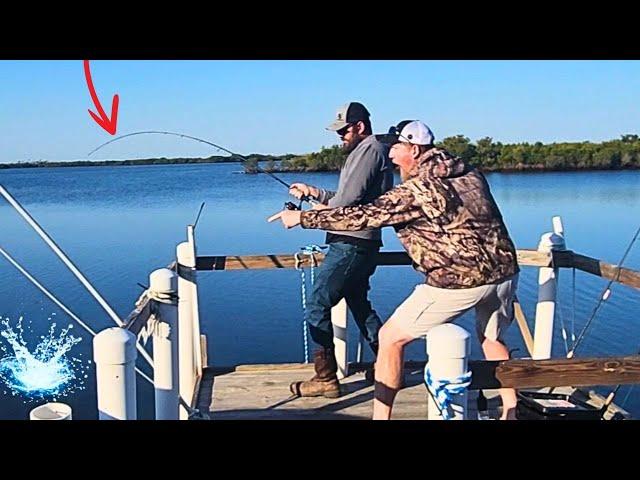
554 406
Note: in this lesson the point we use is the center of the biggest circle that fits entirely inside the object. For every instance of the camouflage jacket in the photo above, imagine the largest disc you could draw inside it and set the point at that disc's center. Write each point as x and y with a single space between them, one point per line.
446 219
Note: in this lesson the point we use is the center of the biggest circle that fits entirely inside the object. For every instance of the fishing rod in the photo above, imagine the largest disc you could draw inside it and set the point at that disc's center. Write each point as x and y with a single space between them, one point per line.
69 264
604 296
244 159
609 400
195 224
606 293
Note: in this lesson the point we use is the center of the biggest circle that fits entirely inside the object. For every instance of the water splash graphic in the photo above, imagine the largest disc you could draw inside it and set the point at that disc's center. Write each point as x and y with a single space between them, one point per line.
45 373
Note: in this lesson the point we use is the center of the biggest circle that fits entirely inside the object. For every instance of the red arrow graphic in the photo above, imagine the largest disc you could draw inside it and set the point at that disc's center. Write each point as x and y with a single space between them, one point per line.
109 124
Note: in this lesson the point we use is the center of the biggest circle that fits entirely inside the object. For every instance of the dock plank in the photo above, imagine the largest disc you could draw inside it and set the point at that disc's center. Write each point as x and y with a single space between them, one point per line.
261 392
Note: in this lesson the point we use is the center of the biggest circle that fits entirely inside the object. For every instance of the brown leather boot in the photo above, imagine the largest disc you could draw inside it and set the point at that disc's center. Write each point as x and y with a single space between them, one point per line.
325 382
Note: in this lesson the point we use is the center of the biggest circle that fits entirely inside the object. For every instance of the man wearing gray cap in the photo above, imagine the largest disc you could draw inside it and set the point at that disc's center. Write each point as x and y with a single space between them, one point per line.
351 258
449 223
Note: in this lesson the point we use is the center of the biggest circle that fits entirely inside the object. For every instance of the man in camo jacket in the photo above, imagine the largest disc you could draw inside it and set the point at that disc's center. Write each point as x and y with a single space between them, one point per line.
449 223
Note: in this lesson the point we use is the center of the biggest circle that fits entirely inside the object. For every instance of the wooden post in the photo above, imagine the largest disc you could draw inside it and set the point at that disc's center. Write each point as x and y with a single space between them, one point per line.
339 321
523 325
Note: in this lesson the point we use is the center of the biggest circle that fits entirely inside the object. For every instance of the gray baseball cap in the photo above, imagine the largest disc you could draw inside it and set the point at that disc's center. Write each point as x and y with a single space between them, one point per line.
347 114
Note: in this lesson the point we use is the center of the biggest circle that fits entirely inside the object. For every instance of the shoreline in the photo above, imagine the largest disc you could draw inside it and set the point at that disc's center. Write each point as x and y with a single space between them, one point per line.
517 169
522 168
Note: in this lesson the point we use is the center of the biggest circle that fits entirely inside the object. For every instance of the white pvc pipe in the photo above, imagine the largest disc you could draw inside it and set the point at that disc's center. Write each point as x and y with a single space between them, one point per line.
114 353
339 321
186 356
14 203
163 288
448 347
51 411
547 294
558 228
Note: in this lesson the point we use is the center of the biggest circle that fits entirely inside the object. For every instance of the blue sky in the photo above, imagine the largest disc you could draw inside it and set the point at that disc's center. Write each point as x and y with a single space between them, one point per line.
283 106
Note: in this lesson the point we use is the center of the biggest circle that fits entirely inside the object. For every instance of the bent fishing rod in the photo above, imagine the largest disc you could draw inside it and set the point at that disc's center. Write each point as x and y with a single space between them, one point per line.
242 158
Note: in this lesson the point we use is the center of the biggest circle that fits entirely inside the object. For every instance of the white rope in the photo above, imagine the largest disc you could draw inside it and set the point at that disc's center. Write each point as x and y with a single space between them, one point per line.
563 328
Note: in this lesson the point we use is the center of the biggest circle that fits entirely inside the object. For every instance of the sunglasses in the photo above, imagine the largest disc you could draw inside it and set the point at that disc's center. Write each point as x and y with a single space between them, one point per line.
343 131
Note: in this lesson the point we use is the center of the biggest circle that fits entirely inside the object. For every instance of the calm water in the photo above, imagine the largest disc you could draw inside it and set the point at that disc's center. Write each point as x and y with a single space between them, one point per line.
120 223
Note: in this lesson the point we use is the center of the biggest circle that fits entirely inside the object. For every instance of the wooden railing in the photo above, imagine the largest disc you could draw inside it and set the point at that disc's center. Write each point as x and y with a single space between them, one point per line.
521 373
531 258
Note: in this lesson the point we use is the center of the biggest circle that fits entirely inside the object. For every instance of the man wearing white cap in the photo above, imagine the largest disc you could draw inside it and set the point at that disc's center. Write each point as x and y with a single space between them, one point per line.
447 220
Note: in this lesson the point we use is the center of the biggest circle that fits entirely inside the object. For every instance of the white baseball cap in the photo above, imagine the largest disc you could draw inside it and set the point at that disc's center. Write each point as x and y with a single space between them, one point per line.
417 133
414 132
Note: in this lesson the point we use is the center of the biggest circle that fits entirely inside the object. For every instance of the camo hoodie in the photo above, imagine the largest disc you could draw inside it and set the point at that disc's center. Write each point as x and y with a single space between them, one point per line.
446 219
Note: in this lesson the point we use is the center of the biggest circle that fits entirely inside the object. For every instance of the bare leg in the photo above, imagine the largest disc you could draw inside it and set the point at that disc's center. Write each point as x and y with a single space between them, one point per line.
388 371
498 351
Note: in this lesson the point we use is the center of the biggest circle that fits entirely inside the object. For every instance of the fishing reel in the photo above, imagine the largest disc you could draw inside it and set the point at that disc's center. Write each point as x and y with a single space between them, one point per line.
293 206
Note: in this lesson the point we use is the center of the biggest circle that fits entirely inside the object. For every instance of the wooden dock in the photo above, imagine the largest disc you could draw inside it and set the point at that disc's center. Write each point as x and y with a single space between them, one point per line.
260 392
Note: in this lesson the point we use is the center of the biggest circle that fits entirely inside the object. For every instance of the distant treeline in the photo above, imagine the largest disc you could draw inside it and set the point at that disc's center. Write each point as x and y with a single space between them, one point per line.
495 156
252 158
484 153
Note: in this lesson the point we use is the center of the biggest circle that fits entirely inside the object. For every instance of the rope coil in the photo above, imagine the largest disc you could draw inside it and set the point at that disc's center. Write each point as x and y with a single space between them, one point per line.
443 389
170 298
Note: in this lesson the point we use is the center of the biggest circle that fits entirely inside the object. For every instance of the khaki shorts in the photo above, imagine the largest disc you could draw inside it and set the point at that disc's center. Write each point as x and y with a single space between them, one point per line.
428 307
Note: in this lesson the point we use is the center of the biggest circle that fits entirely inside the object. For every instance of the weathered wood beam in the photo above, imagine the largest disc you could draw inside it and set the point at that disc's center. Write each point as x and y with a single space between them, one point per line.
602 269
523 326
575 372
517 373
530 258
249 262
